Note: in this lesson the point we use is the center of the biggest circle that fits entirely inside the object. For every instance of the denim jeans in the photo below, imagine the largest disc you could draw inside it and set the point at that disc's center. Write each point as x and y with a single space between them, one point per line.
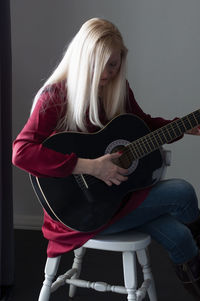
163 214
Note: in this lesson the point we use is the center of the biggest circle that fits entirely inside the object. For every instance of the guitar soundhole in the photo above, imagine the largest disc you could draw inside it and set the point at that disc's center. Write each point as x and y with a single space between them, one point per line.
125 161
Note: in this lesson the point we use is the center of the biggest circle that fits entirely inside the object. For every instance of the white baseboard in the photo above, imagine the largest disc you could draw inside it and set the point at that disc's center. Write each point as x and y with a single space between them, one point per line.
28 222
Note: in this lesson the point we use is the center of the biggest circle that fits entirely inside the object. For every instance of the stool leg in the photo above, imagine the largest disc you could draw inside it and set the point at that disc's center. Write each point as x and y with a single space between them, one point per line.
51 268
130 275
78 257
144 260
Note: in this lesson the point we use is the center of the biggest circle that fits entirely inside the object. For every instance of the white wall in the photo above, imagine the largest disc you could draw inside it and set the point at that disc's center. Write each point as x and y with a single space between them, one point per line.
164 54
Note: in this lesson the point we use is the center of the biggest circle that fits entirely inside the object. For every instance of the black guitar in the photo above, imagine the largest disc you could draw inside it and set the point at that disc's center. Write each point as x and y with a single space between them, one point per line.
85 203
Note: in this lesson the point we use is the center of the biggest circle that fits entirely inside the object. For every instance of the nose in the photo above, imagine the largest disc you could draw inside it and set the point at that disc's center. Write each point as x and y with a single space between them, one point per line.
107 73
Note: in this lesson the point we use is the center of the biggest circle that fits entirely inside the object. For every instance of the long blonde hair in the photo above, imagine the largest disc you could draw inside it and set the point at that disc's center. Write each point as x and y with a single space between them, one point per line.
81 68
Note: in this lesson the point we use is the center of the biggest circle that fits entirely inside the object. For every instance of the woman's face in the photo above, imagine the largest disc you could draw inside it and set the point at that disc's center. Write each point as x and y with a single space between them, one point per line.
111 69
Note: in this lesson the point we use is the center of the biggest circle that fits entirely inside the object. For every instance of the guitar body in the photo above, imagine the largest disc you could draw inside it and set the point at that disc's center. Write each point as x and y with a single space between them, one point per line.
83 202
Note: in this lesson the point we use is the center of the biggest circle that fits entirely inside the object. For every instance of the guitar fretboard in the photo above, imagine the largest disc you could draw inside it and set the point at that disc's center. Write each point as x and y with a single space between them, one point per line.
152 141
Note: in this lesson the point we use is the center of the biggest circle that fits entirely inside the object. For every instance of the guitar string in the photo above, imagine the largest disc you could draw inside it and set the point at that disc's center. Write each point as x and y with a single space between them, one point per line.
155 137
168 131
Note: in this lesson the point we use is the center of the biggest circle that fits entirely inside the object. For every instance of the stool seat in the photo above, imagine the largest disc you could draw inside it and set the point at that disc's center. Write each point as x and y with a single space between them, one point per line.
125 241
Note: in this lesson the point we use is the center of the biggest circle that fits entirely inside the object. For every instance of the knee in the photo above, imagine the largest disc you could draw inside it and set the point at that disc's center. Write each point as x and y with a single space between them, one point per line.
185 190
182 238
184 186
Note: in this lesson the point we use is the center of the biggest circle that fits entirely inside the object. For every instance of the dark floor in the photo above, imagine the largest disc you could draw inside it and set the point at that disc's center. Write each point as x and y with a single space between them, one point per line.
30 252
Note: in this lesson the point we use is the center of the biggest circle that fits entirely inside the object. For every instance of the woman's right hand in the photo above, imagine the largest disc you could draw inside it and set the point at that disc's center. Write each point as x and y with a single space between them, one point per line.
103 168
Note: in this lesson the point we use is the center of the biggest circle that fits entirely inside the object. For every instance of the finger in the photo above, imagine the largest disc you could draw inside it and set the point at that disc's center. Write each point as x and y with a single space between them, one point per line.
109 183
122 178
122 171
116 181
115 155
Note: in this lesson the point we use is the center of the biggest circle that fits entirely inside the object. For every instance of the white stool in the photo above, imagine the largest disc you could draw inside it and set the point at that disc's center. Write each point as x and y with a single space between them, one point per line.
132 244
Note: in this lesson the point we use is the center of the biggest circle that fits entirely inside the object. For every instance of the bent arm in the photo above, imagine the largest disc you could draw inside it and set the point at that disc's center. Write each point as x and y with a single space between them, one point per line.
29 153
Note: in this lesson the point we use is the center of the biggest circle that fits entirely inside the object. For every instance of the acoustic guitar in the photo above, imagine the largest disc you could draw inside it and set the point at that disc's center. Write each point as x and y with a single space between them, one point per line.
85 203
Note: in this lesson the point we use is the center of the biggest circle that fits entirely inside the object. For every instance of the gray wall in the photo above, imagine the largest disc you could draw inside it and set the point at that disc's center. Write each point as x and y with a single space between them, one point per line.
163 39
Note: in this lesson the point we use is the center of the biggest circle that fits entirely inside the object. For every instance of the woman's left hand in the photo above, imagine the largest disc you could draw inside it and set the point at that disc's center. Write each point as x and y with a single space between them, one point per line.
194 131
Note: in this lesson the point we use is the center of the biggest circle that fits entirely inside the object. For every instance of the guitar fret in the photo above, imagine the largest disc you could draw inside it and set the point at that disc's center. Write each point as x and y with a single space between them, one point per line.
195 119
167 135
184 126
177 129
139 149
151 144
144 146
162 136
134 155
197 113
189 121
159 138
145 141
147 145
166 139
136 151
172 131
187 124
154 141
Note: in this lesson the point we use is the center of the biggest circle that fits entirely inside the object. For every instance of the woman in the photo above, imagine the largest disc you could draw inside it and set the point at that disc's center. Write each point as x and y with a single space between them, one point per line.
87 90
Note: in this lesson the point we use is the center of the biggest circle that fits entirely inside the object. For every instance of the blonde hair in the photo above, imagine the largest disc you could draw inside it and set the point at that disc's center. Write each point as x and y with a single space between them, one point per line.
81 68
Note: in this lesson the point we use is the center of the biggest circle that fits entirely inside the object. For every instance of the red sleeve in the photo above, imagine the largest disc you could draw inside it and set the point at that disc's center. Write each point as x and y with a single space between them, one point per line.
28 152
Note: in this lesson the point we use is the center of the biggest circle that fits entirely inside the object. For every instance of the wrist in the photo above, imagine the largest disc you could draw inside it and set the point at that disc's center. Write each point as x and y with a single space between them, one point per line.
84 166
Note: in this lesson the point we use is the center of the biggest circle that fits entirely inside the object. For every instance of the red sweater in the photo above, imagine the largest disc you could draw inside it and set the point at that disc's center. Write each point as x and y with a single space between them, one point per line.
29 154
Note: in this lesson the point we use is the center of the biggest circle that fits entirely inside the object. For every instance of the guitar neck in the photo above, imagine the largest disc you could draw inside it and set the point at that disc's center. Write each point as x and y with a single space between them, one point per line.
152 141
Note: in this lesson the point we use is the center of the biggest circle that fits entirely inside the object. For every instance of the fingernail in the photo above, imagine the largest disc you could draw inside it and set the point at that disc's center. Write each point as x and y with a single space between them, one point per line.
120 152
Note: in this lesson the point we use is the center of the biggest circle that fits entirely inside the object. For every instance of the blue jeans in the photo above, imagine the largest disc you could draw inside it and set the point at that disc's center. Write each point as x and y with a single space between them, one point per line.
163 214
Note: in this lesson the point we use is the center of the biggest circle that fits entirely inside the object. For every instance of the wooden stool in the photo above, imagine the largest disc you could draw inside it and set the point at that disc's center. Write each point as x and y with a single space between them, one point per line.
132 244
